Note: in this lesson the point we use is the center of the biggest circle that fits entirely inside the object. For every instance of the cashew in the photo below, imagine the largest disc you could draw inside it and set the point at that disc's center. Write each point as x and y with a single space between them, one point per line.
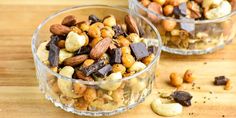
42 53
74 41
66 85
63 54
171 109
223 9
66 100
112 82
137 66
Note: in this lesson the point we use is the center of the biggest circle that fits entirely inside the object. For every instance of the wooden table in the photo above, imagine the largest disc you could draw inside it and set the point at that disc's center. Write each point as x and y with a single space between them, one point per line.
21 98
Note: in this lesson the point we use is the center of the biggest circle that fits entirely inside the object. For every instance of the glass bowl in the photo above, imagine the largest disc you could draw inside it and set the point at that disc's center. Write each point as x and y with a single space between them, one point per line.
207 36
131 91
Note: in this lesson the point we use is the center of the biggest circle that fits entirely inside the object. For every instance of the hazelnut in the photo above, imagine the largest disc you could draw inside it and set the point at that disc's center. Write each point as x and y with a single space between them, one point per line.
109 21
90 95
161 2
168 25
145 2
175 80
118 68
188 76
147 60
125 50
87 63
122 41
228 85
168 10
61 44
128 60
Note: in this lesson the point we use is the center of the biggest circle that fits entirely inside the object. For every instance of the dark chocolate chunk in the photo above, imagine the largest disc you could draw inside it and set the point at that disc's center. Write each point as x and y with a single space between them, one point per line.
118 31
182 97
176 12
104 70
93 68
221 80
54 40
115 56
139 50
94 19
83 50
152 49
187 25
183 9
53 55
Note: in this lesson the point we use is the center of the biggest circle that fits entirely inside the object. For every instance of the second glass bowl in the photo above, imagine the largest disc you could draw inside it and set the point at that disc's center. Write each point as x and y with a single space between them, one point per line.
207 36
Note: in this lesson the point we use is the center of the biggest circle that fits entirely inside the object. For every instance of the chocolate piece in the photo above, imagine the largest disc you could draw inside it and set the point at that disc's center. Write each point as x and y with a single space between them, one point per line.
152 49
104 70
182 97
139 50
188 25
54 40
221 80
93 68
118 31
94 19
183 9
176 12
83 50
115 56
53 55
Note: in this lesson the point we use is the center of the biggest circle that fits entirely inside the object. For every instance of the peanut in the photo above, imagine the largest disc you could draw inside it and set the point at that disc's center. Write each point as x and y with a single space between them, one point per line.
228 85
168 25
147 60
125 50
109 21
118 68
188 76
128 60
175 80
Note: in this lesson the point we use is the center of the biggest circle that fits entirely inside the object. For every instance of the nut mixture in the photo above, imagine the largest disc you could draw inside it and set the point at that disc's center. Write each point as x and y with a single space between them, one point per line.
187 34
97 50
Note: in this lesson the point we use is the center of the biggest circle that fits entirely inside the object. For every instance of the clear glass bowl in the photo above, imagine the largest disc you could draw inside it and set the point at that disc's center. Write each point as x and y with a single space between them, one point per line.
132 90
207 36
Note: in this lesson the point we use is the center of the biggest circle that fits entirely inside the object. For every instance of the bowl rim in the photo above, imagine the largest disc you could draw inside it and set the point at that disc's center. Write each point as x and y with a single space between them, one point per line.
185 21
42 65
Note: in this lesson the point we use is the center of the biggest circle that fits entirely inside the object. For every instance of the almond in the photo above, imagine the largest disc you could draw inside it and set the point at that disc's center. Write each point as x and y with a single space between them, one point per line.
155 7
82 76
131 24
69 21
73 61
100 48
59 29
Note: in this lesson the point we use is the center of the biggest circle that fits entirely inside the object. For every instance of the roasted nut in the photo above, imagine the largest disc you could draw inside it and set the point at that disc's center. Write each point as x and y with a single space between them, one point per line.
90 95
137 85
82 76
107 32
95 41
128 60
131 25
66 100
94 31
63 54
65 85
155 7
84 26
228 85
69 21
145 2
76 60
112 82
168 10
122 41
118 68
175 80
137 66
61 44
43 53
188 76
211 3
171 109
109 21
81 104
74 41
220 80
100 48
59 29
134 38
118 96
161 2
147 60
79 89
168 25
87 63
86 38
222 10
125 50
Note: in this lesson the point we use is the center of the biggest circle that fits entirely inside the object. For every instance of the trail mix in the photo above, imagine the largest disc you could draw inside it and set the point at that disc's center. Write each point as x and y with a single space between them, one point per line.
187 34
102 51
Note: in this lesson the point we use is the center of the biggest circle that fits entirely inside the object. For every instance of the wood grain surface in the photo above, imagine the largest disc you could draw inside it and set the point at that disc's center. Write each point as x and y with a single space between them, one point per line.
21 98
